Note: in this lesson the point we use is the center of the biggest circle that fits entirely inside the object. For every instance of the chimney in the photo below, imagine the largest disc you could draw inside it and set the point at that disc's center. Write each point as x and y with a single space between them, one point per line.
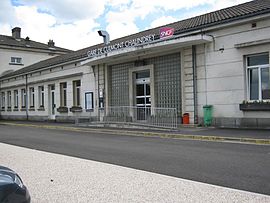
51 43
27 41
16 32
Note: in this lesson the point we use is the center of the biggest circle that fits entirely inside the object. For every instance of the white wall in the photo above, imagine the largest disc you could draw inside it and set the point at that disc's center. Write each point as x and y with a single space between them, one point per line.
28 58
221 74
54 76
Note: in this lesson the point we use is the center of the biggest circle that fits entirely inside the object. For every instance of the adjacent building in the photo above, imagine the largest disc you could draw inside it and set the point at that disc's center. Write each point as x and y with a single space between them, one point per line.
219 59
17 52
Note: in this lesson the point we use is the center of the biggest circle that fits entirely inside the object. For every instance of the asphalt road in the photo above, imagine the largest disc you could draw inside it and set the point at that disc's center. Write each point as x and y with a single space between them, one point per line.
239 166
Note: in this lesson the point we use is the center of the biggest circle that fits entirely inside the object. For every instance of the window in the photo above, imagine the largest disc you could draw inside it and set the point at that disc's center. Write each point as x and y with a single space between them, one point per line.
41 96
63 94
16 60
3 100
9 99
32 97
77 93
258 77
23 98
16 99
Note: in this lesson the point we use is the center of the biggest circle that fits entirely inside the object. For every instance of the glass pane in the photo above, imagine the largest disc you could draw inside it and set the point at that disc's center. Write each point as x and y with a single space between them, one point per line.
148 100
140 90
265 83
258 60
78 83
143 74
140 100
148 90
42 99
65 98
254 84
78 97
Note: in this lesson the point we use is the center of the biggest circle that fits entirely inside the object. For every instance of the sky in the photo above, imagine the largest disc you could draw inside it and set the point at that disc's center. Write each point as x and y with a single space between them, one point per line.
73 24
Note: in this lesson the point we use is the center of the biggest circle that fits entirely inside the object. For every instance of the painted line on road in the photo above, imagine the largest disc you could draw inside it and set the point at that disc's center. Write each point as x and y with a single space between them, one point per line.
149 134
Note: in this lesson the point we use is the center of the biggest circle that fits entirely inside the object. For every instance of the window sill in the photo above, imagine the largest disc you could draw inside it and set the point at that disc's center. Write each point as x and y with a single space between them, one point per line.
3 110
41 108
15 109
23 109
16 64
32 109
62 109
255 107
75 109
9 109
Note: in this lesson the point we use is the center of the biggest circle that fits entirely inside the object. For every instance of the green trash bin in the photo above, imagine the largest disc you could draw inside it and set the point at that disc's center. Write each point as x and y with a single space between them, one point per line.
207 114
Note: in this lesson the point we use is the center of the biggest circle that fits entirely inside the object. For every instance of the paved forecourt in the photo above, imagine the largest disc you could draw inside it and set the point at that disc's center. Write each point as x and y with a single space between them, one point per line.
58 178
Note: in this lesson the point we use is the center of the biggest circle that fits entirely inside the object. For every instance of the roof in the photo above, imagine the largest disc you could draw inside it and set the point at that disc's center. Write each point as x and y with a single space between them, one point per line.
231 14
28 44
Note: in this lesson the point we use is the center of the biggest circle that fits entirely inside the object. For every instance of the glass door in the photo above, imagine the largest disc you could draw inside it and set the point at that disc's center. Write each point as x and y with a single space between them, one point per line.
52 104
143 96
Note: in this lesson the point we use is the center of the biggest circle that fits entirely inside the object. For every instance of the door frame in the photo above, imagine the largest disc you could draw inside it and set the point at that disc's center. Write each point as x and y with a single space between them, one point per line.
51 99
132 86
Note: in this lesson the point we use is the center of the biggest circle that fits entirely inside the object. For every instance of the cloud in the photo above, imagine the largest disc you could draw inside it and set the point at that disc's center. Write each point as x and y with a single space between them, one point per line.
170 4
42 26
74 23
118 3
69 10
7 14
118 29
163 21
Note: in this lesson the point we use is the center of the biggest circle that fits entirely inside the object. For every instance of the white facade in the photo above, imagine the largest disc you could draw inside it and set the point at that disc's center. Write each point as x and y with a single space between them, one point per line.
16 52
222 77
27 57
212 67
47 79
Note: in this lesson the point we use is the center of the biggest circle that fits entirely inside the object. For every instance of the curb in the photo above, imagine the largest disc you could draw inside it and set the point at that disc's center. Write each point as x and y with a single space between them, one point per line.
149 134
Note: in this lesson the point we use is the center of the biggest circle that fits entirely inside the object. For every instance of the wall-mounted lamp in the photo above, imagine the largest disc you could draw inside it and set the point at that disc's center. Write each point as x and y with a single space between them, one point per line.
221 49
105 35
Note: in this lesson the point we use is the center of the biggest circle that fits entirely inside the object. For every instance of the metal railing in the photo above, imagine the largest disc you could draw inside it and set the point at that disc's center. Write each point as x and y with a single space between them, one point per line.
148 116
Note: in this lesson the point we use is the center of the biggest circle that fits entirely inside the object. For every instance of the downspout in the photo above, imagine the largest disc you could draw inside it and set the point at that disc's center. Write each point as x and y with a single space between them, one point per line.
1 100
194 67
26 99
104 91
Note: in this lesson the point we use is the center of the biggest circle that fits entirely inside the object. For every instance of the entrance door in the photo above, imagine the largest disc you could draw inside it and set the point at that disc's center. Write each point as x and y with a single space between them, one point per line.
52 104
143 96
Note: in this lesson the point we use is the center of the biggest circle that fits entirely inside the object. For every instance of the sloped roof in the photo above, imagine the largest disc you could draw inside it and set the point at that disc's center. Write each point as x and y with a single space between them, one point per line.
28 44
234 13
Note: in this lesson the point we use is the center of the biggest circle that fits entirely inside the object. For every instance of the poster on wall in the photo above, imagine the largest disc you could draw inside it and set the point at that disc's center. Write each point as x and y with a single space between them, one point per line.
89 103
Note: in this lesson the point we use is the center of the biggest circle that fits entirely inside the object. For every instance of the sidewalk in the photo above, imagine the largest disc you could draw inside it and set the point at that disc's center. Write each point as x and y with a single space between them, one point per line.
258 136
57 178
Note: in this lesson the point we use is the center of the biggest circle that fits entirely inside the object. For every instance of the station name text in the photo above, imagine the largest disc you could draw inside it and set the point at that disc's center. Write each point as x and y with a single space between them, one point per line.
121 45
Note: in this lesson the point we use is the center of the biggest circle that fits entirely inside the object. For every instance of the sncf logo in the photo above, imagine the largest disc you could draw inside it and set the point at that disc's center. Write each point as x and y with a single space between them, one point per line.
166 32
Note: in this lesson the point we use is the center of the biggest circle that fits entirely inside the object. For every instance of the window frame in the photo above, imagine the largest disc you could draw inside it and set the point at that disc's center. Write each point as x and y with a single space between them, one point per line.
15 60
63 94
259 68
23 98
77 93
9 99
3 100
32 97
16 98
41 96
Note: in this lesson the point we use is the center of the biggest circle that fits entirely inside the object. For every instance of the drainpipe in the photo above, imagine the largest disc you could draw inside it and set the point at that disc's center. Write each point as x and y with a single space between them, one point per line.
194 67
1 100
26 99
